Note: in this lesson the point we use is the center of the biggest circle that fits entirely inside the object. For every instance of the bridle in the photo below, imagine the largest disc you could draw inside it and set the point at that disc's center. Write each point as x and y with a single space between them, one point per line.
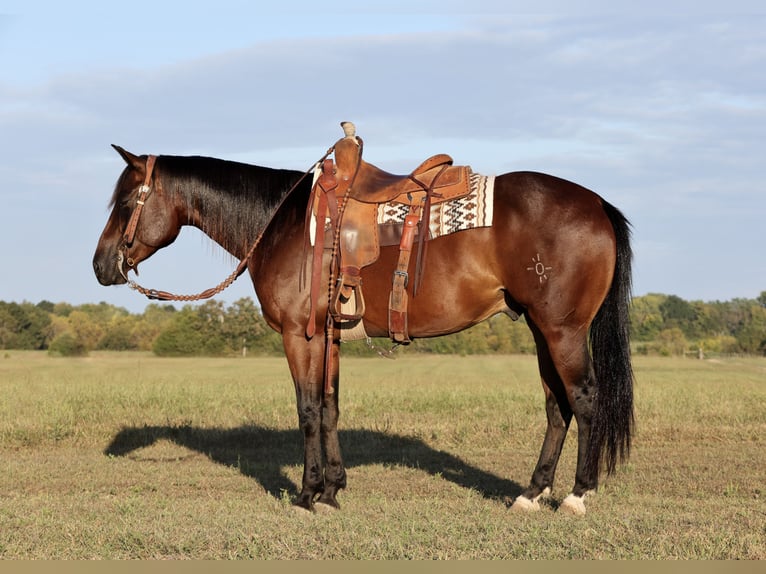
130 230
123 256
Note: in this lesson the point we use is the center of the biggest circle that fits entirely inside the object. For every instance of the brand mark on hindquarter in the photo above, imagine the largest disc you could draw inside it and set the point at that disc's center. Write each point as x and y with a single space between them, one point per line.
540 269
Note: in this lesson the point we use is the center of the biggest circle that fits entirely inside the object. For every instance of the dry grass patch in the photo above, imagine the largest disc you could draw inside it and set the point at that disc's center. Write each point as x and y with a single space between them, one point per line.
129 456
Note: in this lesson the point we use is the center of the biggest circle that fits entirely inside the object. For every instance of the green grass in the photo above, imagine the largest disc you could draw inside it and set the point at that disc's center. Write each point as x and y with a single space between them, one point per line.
131 456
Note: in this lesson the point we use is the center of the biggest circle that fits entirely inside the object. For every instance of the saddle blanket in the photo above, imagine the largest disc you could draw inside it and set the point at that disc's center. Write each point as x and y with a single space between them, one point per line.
472 210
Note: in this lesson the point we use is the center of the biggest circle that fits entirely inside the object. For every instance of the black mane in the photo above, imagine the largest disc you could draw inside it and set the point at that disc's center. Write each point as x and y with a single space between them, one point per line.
236 200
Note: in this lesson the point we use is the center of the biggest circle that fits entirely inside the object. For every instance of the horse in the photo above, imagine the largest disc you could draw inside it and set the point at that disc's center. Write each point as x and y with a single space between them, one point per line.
556 253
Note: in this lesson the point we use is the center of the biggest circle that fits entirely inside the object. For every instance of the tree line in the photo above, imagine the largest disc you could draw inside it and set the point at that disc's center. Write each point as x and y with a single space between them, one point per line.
660 324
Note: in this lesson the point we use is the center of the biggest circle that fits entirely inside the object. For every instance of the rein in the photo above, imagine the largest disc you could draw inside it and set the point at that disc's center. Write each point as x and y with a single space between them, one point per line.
130 232
156 295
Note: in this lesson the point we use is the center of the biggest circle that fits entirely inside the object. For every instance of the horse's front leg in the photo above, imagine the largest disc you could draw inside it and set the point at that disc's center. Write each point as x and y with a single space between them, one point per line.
335 472
306 360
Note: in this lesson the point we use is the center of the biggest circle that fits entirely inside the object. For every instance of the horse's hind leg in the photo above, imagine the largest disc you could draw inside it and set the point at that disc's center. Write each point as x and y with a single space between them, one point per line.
576 368
569 382
559 415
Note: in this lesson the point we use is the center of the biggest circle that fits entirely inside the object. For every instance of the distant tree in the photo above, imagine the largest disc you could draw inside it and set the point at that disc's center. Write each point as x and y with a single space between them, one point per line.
672 342
664 324
677 313
498 335
646 319
58 326
751 334
523 340
211 312
474 341
709 320
509 337
24 326
103 312
244 327
189 333
151 323
85 329
120 334
734 314
46 306
62 309
9 325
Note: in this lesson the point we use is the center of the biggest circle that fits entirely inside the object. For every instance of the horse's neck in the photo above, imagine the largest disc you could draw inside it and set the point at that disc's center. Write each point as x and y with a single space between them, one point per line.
232 224
232 221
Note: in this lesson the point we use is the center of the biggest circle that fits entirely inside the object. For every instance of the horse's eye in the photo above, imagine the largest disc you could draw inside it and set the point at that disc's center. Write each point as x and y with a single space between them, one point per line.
124 206
125 201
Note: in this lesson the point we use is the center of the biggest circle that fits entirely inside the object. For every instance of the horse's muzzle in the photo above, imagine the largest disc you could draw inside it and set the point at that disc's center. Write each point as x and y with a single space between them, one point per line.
107 272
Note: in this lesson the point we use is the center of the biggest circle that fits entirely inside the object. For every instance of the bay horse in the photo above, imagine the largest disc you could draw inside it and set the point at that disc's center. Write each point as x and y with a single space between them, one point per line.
556 253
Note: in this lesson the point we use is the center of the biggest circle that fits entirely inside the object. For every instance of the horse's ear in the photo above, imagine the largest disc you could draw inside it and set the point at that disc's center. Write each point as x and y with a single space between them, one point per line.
130 159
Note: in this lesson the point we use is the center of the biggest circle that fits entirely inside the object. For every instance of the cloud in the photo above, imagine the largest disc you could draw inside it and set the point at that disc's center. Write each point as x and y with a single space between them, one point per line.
515 78
664 115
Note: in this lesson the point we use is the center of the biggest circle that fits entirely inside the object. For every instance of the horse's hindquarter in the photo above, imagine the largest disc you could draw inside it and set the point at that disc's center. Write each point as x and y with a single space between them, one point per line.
559 243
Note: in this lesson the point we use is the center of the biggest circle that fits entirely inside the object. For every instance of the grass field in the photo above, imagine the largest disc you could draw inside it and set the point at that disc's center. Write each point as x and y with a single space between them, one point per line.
131 456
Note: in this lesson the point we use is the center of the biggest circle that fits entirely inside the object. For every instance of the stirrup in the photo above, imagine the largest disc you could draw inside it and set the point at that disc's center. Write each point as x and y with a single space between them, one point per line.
349 288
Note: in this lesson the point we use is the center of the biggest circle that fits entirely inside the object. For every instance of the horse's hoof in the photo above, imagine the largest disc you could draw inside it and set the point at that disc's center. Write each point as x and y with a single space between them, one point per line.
523 504
573 505
324 508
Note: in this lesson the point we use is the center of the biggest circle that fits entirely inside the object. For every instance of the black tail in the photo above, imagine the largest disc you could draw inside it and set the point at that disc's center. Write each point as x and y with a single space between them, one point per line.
612 422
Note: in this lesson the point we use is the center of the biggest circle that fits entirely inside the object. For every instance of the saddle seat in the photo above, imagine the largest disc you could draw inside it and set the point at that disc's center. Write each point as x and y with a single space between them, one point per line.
373 185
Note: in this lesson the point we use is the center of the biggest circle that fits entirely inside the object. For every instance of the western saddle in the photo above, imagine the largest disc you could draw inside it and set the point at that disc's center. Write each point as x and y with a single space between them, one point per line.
345 200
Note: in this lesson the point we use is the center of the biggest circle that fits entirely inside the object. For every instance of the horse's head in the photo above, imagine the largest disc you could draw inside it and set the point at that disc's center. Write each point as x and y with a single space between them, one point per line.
143 220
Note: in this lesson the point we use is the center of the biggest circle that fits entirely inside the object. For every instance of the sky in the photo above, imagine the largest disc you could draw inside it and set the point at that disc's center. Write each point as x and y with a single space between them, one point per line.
660 108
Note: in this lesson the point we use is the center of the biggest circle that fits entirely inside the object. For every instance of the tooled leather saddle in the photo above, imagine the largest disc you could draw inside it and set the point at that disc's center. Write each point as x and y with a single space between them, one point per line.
344 202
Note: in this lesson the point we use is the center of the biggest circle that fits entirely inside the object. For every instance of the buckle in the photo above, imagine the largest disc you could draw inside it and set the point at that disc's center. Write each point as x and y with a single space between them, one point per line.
403 274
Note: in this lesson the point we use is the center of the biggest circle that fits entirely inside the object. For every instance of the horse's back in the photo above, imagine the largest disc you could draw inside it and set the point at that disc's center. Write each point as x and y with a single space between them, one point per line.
534 196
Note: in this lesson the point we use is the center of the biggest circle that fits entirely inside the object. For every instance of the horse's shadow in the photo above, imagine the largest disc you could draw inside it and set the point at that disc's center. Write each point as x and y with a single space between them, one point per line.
263 453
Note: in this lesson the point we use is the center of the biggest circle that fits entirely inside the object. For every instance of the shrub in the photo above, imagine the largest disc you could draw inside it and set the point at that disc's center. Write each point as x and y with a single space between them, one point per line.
67 345
188 335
